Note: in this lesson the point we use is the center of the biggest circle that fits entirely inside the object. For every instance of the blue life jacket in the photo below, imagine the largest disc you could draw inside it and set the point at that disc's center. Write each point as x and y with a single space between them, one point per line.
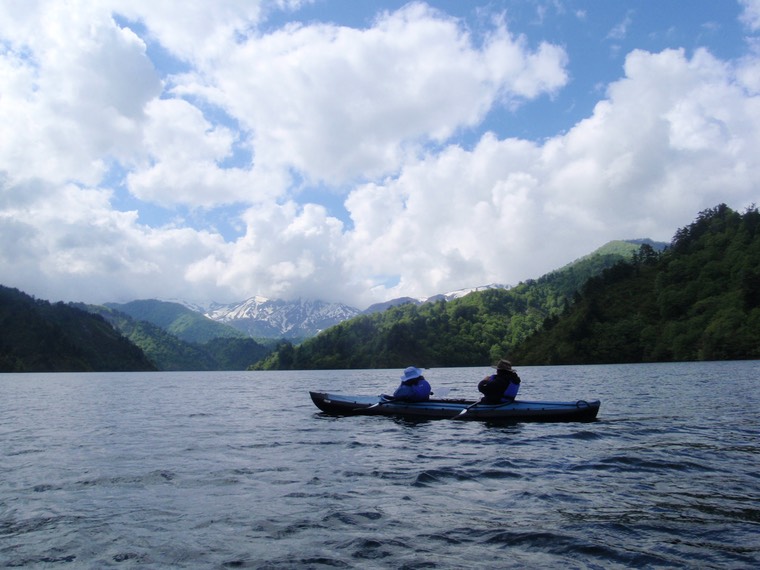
500 388
414 390
512 390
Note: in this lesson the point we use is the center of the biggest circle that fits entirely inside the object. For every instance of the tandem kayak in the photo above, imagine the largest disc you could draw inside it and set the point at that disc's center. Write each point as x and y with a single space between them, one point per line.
516 411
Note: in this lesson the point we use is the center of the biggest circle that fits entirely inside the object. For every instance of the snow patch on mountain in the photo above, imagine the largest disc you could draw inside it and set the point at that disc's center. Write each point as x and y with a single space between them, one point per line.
450 296
274 318
261 317
459 293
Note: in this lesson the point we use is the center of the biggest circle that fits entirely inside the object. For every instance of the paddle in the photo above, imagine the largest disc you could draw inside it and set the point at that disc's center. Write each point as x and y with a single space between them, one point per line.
463 412
385 399
439 393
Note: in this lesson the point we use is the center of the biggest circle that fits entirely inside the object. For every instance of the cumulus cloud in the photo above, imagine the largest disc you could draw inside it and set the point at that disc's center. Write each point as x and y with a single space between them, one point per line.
68 243
183 156
674 136
198 31
74 90
750 15
339 103
95 134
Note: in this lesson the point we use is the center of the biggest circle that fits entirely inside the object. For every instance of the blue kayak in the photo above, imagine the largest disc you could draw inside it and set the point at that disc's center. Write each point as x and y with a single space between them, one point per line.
517 410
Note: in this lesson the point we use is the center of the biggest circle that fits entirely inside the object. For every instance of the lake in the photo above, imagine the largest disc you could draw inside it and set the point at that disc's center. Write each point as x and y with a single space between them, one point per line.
240 470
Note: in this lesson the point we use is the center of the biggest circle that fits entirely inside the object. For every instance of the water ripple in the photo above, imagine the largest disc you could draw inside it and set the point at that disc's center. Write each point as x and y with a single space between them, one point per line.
235 470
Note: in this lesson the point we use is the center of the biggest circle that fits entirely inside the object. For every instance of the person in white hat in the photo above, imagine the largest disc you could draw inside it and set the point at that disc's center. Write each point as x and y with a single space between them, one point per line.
414 387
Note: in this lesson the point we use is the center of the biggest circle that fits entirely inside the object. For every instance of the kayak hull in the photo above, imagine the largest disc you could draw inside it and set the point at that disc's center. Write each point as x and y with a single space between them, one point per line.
517 411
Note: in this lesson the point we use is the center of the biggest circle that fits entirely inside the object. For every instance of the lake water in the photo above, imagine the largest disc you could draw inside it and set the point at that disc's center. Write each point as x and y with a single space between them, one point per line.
240 470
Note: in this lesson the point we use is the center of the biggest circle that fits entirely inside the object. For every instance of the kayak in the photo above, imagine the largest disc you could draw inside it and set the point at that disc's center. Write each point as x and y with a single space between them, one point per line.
516 411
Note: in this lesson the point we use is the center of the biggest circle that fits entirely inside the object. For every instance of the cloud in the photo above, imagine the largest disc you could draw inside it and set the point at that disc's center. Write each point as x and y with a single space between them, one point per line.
288 251
73 92
96 133
66 242
339 104
184 152
200 30
675 136
750 15
620 30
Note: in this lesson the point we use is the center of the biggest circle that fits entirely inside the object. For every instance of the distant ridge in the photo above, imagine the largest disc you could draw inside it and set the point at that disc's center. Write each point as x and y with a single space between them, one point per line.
216 346
458 294
260 317
39 336
263 318
625 248
185 323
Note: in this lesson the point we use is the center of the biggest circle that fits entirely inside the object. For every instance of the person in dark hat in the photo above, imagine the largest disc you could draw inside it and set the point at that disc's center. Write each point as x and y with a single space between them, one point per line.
500 387
414 387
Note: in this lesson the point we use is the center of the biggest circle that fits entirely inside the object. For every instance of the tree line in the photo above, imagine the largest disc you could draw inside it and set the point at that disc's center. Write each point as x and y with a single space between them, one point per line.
698 300
183 340
478 328
38 336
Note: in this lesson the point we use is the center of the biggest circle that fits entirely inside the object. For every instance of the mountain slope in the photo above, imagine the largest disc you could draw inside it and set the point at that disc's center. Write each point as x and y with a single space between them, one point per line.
380 307
169 352
260 317
184 323
37 336
164 349
473 329
700 300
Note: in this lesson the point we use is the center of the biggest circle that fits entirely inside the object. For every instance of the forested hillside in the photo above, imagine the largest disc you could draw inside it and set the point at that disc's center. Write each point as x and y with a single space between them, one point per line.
174 318
37 336
478 328
168 352
699 300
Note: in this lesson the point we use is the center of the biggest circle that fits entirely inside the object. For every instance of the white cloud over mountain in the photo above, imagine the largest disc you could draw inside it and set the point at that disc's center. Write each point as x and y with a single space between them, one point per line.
350 163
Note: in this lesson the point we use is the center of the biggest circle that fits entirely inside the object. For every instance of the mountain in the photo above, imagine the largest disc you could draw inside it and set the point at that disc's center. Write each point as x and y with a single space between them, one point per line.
625 248
384 306
37 336
183 322
699 300
473 328
165 350
260 317
456 328
458 294
168 352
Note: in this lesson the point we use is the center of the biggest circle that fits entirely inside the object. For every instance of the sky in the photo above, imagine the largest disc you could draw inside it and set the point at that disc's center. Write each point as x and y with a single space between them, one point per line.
357 152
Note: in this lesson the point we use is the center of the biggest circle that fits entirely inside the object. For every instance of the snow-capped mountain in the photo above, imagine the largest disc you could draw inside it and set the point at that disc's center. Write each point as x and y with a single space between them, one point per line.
261 317
379 307
274 318
459 293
